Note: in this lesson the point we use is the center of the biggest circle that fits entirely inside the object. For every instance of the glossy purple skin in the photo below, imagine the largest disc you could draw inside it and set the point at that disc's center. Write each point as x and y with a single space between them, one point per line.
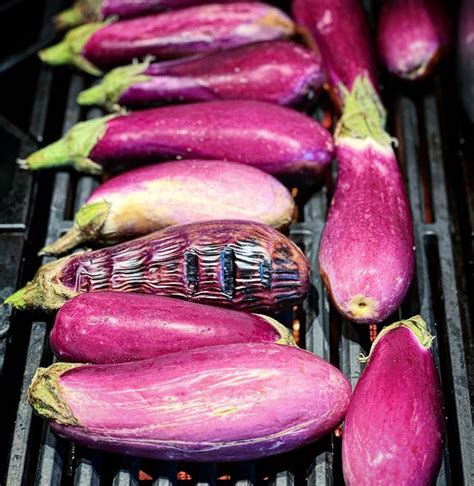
155 196
394 428
233 403
136 8
342 34
115 327
184 32
278 72
366 254
229 263
412 34
275 139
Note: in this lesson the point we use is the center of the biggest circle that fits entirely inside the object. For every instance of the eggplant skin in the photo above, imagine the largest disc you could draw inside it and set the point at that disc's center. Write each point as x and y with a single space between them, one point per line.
412 36
225 403
229 263
193 30
117 327
394 427
150 198
277 72
341 32
275 139
367 253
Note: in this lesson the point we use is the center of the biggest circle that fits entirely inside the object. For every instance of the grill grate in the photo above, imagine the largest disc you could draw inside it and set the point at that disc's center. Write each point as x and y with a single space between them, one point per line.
31 454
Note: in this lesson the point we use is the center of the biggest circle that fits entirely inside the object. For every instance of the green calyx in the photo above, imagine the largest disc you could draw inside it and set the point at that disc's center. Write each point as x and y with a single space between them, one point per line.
71 17
416 325
107 94
363 115
45 291
83 11
71 150
44 394
87 227
69 51
286 338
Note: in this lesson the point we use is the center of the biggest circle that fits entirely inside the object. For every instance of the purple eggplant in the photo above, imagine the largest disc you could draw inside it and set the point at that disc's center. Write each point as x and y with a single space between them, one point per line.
116 327
238 264
278 72
226 403
342 34
412 36
205 28
85 11
367 253
144 200
394 427
275 139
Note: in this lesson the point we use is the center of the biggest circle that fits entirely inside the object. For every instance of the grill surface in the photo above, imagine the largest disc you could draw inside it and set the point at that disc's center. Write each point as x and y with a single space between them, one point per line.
38 208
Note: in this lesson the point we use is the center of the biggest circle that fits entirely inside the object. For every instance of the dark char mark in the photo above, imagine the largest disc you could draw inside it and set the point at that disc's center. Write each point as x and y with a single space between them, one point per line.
191 271
228 272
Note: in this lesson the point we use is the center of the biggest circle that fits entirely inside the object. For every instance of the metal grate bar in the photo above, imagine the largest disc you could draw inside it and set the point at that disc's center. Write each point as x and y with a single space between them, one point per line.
88 470
51 460
19 456
14 215
453 330
127 475
284 478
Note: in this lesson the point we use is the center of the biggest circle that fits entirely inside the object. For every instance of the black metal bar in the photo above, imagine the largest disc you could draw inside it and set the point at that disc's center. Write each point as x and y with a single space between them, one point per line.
458 372
19 454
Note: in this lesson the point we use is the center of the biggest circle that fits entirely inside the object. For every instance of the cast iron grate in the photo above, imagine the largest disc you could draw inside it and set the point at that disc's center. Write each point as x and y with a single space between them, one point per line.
41 209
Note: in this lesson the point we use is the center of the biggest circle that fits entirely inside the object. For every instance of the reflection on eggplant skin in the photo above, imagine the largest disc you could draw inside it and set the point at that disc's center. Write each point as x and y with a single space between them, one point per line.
466 56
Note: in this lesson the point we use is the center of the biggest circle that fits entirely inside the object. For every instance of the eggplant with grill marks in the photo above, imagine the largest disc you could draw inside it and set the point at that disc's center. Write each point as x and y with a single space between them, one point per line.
237 264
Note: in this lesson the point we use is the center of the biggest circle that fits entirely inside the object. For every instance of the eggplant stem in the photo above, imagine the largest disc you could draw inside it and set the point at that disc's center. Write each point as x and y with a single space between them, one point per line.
73 149
72 238
415 324
87 227
286 337
44 291
44 394
71 17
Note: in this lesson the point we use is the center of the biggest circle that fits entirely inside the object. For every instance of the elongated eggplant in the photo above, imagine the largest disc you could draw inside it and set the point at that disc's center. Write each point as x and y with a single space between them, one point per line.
277 71
366 254
116 327
412 36
144 200
205 28
239 264
85 11
276 139
394 427
225 403
342 34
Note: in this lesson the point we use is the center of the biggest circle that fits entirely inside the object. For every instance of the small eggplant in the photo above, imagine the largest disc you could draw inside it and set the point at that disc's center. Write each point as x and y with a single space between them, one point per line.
226 403
144 200
86 11
237 264
342 34
273 138
412 36
205 28
394 429
117 327
367 254
277 71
